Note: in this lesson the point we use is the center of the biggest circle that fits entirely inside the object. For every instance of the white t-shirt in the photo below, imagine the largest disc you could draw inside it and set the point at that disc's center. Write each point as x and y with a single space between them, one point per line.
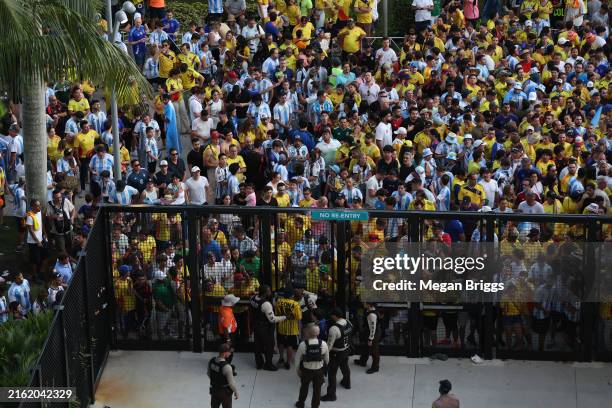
490 189
328 150
197 189
202 128
38 232
386 56
422 15
384 133
195 108
536 208
372 184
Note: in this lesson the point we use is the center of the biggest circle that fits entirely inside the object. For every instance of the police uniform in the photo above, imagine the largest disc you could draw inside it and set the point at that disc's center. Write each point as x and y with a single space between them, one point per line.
263 327
373 330
222 385
339 337
312 356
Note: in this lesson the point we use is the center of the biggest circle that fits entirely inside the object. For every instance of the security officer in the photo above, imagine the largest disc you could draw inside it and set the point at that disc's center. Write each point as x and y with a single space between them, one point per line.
264 321
222 384
446 400
339 338
311 358
373 330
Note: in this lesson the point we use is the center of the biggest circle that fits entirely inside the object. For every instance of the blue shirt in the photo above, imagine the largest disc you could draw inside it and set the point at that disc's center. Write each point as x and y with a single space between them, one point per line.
173 26
306 137
214 247
138 33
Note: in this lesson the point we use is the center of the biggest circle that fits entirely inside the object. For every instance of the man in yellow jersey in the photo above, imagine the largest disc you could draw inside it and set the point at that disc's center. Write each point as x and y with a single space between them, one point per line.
85 141
287 331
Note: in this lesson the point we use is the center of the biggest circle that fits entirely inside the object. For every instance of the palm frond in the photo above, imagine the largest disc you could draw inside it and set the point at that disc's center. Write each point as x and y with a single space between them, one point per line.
59 42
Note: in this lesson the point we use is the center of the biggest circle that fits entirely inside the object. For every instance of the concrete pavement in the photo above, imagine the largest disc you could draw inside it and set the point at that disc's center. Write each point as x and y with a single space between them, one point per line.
177 379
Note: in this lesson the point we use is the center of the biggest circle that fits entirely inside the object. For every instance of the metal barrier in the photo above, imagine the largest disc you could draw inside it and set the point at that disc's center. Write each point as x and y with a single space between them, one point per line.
212 250
415 329
77 346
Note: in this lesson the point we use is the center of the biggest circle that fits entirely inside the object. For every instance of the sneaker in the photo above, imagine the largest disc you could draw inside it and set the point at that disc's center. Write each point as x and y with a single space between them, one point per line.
328 398
372 371
359 363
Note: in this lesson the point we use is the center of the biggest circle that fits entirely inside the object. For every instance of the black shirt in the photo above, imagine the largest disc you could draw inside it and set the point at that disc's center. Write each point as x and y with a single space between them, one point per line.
161 178
178 168
271 203
253 161
385 167
418 126
224 128
196 158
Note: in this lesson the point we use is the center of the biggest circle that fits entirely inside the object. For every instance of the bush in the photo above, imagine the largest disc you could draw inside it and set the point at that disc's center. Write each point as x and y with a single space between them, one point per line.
21 343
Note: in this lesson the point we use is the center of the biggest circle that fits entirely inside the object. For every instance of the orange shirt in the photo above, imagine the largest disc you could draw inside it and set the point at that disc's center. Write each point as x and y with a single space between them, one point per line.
157 3
227 321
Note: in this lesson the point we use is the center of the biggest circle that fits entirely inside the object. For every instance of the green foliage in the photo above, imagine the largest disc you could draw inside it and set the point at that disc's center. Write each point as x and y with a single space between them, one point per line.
188 10
21 343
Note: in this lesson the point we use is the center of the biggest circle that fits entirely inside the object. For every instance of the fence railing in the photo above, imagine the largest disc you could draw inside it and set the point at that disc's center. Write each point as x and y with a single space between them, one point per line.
183 260
79 339
265 253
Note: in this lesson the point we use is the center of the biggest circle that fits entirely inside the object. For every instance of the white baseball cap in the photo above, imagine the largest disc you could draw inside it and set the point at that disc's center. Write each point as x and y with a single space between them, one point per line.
194 169
401 131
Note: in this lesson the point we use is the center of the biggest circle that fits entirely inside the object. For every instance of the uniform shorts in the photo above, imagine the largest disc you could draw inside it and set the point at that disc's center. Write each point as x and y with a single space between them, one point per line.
287 340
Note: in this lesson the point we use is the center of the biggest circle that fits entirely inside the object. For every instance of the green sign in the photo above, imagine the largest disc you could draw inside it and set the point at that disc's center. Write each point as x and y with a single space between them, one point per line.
339 215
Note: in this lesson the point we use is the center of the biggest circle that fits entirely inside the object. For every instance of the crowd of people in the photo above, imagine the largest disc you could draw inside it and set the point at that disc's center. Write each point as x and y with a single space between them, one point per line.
503 111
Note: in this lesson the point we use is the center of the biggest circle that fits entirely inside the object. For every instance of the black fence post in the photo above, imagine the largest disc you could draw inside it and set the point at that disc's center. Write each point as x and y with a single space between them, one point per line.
414 349
589 310
194 271
488 332
265 249
341 246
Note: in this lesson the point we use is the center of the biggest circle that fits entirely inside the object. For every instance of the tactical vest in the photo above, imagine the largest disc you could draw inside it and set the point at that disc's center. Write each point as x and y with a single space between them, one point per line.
344 341
215 368
313 352
258 315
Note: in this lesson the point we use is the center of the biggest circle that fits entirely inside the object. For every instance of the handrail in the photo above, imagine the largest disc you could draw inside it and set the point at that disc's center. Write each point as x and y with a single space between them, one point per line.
442 215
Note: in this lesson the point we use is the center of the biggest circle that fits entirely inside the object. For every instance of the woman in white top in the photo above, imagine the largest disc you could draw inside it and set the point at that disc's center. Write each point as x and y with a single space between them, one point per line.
215 105
150 195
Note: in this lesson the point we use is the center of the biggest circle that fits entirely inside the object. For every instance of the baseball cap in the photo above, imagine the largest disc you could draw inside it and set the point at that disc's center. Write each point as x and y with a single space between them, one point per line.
451 137
232 75
477 143
427 152
299 247
562 41
264 115
163 163
578 139
451 156
401 131
125 269
194 169
468 136
517 86
335 168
